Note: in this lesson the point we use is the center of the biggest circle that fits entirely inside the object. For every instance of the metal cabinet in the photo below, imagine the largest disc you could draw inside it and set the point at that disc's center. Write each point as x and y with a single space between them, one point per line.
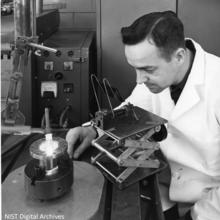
61 80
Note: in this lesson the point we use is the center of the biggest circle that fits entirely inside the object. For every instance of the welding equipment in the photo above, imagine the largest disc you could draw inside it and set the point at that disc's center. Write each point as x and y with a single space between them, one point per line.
50 173
61 79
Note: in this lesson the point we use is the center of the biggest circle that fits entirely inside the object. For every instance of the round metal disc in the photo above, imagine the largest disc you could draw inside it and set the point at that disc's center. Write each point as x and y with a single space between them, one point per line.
40 154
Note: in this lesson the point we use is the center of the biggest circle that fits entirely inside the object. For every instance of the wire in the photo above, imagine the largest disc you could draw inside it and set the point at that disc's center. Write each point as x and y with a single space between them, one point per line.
62 123
93 76
106 88
110 104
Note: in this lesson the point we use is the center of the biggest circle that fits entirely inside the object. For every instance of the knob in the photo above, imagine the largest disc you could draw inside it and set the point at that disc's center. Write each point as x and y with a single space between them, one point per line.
58 76
58 53
160 135
46 53
70 53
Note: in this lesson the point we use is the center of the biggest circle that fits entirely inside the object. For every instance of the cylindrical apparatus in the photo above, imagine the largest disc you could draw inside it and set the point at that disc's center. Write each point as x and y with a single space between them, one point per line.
50 174
24 18
39 7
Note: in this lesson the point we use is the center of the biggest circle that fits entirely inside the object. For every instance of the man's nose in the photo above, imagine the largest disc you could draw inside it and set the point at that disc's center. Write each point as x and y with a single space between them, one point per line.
140 77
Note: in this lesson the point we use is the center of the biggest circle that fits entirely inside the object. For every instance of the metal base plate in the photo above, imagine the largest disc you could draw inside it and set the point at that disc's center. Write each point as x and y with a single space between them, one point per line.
82 202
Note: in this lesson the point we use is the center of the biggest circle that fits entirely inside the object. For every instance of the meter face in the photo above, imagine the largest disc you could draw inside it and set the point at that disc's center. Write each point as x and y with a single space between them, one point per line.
49 87
68 65
48 65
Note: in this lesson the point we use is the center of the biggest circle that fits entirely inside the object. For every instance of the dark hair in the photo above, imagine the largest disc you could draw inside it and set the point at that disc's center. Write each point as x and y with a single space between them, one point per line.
164 28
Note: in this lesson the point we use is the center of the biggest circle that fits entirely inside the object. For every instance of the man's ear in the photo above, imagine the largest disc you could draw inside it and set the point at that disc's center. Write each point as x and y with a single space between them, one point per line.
179 55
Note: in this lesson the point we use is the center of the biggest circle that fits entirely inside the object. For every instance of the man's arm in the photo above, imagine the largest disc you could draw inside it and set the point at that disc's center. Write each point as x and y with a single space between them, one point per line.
79 139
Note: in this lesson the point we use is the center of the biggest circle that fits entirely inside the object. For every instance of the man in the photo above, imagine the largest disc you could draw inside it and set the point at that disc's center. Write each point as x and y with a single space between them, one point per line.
179 81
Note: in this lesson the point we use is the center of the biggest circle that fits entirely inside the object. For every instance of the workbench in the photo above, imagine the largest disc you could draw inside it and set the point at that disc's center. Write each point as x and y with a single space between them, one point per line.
102 199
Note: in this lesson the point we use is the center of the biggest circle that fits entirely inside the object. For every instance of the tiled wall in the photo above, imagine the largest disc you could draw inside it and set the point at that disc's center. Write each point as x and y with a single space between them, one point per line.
77 14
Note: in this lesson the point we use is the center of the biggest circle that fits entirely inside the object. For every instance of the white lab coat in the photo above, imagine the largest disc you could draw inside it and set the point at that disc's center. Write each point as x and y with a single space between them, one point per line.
193 143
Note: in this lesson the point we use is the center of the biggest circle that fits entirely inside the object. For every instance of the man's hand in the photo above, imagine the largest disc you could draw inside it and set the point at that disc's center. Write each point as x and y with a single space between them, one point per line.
82 136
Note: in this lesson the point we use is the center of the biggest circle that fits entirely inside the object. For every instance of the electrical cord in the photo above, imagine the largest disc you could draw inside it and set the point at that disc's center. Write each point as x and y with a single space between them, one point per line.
63 120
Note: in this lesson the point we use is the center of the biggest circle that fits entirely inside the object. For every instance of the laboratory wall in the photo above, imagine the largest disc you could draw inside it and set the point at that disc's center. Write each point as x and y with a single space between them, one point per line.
202 22
79 14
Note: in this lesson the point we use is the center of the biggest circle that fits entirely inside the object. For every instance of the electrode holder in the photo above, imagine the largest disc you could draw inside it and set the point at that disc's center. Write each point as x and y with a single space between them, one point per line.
129 148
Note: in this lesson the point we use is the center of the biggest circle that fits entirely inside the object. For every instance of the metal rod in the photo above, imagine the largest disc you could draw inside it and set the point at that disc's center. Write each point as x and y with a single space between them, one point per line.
99 147
33 17
127 172
94 90
42 47
39 7
47 121
22 18
110 104
107 171
94 159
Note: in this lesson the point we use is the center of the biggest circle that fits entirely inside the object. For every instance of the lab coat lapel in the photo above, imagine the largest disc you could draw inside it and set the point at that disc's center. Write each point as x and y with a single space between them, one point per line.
187 100
190 95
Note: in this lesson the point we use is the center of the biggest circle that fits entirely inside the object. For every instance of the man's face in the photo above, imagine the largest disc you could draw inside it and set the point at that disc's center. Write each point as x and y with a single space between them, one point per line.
151 68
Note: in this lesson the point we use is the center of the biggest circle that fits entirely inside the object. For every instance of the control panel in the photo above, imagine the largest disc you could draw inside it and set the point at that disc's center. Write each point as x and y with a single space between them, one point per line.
62 79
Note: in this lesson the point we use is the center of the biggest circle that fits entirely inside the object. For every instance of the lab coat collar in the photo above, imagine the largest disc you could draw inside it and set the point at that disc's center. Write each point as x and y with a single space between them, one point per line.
191 95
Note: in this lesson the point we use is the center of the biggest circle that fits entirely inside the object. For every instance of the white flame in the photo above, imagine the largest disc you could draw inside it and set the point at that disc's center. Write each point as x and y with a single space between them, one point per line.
49 145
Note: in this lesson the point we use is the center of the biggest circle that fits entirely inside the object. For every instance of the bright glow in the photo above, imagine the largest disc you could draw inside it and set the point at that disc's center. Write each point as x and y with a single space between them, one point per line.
49 145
